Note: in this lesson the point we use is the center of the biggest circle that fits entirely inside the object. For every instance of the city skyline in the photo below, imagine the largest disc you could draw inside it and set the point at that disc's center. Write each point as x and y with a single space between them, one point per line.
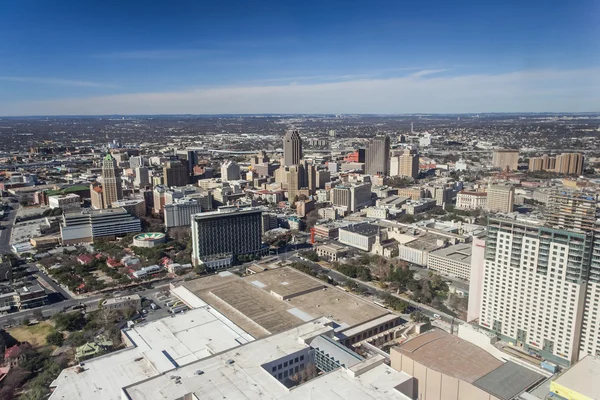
299 58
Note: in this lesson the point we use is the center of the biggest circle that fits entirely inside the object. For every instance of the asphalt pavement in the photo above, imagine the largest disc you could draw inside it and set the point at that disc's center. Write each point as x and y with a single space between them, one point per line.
7 223
66 306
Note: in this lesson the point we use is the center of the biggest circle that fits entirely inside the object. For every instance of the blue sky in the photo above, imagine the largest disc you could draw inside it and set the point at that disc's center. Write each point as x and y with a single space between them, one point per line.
329 56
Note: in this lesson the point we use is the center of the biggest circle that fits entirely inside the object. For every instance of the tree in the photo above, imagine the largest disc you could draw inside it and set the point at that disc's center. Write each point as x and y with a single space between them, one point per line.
200 269
37 314
55 338
69 321
418 316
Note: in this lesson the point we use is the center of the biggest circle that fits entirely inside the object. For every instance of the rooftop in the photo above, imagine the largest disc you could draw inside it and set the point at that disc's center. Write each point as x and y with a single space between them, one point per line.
255 302
239 374
155 348
449 355
582 378
427 242
363 229
508 380
460 252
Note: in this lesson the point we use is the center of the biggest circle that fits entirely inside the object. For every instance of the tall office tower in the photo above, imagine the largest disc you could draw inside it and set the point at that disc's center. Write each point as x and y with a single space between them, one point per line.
500 198
323 177
311 178
406 165
175 173
136 162
541 289
295 180
192 160
377 156
219 237
142 177
259 158
96 196
111 181
292 148
506 159
230 171
572 210
569 163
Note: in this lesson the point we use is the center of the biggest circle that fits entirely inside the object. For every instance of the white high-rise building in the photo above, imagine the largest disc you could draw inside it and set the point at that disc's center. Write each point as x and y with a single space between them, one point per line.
541 289
230 171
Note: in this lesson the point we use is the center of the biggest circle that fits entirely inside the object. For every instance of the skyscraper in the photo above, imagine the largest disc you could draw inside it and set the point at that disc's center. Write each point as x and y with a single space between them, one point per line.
292 148
175 173
111 181
541 289
377 156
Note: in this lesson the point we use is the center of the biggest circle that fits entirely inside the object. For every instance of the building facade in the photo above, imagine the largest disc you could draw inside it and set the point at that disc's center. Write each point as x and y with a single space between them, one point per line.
541 289
87 225
175 173
112 189
500 198
66 202
292 148
471 200
220 236
377 156
506 159
230 171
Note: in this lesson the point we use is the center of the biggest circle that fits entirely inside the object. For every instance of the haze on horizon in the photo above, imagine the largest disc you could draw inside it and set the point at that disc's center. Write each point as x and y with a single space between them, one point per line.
238 57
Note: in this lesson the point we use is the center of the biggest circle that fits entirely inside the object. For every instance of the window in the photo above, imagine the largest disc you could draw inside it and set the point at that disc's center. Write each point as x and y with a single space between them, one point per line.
296 359
301 358
274 369
285 364
279 366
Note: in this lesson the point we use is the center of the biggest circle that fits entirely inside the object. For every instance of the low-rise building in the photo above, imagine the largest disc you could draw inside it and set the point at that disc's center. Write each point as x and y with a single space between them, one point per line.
471 200
444 366
88 225
418 206
67 202
135 207
417 251
453 261
331 252
361 236
30 297
147 271
133 301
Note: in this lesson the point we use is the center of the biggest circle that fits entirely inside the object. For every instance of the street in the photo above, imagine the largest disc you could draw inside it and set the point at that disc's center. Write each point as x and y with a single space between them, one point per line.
7 225
65 306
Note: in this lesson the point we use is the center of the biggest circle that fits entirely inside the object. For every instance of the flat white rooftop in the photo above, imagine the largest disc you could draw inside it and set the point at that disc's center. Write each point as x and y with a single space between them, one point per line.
245 378
157 347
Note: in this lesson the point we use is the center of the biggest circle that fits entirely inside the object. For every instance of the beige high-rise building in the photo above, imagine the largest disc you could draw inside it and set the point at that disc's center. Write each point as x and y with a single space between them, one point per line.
406 165
96 196
292 148
175 174
377 156
295 180
506 159
111 181
569 163
543 163
500 198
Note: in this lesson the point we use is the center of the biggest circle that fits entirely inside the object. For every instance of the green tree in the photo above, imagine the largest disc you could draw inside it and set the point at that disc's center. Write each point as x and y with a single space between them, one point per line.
55 338
69 321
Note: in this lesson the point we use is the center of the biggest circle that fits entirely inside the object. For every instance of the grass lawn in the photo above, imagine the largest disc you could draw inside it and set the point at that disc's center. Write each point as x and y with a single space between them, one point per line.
34 334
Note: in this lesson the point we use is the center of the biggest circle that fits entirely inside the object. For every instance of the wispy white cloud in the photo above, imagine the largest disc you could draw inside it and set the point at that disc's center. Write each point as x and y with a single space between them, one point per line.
520 91
426 72
157 54
55 81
